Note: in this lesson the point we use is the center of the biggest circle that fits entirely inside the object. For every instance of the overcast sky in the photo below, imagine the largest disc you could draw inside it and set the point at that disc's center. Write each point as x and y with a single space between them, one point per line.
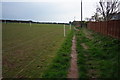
47 10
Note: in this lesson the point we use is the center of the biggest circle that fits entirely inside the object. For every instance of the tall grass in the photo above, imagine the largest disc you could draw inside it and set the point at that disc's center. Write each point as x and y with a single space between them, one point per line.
107 51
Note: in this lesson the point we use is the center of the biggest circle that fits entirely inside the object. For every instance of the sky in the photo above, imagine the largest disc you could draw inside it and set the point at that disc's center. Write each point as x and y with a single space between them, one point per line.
47 10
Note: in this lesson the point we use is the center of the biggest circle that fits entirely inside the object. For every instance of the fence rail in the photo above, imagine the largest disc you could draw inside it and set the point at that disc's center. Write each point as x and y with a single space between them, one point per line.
110 28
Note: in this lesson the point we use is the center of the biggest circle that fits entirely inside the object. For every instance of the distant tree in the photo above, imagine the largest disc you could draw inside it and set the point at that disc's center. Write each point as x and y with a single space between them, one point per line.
108 7
96 17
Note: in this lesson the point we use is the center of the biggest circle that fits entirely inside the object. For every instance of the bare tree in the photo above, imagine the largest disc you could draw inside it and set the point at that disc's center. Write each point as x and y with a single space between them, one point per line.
107 8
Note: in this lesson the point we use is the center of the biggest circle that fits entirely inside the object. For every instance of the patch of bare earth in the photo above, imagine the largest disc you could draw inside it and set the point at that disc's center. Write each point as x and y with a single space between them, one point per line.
84 46
76 29
88 34
73 70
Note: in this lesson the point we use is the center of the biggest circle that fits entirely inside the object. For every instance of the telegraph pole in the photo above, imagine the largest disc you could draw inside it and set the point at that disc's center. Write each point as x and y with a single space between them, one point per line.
81 13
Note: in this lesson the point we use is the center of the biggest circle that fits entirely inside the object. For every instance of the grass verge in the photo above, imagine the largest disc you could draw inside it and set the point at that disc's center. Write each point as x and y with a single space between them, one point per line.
103 55
60 65
81 57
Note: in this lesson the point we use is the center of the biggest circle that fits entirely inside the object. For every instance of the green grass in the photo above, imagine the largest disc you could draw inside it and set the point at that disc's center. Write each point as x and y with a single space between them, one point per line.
81 57
61 63
107 51
103 54
29 50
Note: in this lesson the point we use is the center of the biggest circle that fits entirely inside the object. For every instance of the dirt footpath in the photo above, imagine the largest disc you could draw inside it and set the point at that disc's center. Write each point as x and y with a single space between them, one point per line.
73 70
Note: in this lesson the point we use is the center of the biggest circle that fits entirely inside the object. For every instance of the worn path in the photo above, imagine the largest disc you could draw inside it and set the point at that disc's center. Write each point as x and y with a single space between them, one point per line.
73 70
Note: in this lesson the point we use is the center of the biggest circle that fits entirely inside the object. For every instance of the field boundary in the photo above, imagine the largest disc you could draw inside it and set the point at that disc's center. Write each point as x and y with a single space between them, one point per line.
110 28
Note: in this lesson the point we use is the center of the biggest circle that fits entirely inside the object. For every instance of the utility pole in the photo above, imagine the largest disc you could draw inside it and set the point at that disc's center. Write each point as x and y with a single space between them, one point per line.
81 13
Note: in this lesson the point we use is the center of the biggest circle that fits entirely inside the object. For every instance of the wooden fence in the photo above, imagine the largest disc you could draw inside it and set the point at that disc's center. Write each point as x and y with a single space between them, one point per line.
110 28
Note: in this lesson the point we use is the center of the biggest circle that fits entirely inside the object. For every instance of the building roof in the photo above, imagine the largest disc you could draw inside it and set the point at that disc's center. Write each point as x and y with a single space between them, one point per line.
116 16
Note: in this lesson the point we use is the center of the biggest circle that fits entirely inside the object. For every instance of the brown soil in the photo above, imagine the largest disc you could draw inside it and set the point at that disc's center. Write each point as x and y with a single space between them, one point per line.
73 70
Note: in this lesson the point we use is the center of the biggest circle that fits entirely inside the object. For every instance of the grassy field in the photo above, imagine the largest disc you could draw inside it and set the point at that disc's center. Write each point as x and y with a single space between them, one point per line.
29 50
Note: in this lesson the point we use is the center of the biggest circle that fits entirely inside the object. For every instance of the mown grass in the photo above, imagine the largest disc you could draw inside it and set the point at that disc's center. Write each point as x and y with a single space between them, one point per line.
104 53
60 65
28 50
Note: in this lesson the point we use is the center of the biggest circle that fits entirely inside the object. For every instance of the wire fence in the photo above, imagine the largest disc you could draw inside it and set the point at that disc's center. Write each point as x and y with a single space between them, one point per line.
110 28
